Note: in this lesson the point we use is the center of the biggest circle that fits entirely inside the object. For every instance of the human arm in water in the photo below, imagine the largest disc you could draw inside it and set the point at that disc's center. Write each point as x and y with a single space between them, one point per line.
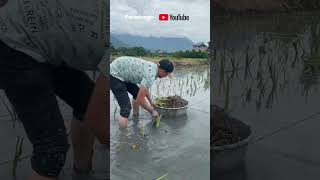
98 110
144 92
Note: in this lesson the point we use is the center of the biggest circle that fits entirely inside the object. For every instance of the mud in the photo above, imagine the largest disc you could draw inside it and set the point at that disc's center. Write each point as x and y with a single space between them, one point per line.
171 102
226 129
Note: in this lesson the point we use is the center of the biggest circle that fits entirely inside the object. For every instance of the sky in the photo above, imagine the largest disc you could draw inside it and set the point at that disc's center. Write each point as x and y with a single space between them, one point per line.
196 29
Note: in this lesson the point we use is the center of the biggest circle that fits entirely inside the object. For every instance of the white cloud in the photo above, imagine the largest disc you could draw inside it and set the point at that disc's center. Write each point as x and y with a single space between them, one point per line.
197 28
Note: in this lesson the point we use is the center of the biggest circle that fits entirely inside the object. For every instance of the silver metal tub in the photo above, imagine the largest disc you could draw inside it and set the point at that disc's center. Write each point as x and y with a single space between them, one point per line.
172 112
231 156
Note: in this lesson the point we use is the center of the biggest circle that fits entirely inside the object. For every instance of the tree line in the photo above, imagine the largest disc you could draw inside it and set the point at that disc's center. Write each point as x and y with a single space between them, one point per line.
141 51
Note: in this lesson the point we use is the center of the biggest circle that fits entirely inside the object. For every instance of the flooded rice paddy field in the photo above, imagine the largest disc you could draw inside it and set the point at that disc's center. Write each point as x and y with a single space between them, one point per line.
266 73
12 132
179 148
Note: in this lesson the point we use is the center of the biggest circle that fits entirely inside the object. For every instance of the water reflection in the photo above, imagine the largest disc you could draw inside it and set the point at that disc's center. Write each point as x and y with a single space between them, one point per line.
236 174
263 62
267 64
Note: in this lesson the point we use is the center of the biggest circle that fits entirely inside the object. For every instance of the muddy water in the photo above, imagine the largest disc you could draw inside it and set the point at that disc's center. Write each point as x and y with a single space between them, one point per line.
11 129
179 147
270 65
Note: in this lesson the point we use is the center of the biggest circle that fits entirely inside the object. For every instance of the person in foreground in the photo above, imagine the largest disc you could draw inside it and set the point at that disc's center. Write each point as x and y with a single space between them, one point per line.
125 73
45 47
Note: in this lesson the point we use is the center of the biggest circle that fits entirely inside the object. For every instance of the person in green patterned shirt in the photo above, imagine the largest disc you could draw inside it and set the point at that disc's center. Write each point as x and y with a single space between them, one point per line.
45 48
126 72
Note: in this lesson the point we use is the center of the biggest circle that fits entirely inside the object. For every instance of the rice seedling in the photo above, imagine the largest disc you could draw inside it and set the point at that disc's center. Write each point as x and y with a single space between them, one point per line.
286 54
227 87
258 102
303 54
187 84
233 63
238 66
171 102
157 121
120 146
142 131
315 42
181 89
296 54
163 176
248 94
214 55
262 53
274 79
194 92
248 61
222 71
191 91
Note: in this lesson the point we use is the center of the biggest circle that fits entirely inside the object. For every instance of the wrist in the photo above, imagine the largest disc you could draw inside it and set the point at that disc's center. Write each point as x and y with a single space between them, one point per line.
151 109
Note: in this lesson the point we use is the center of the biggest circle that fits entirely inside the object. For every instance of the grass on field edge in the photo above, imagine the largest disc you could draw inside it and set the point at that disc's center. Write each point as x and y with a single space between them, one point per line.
176 61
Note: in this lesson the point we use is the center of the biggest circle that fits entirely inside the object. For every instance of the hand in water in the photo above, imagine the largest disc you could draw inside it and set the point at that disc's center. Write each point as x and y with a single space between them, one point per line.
153 104
155 114
123 122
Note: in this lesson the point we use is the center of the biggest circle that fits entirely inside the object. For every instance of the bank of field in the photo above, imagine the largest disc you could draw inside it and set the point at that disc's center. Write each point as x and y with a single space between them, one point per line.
177 61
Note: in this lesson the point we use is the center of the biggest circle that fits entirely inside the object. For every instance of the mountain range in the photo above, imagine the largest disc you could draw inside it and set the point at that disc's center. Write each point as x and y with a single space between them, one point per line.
168 44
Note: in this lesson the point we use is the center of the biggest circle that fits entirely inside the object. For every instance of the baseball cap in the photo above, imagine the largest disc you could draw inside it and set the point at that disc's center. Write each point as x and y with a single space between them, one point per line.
166 65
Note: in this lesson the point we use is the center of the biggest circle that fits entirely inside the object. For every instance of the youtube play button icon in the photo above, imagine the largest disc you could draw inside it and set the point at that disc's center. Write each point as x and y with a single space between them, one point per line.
163 17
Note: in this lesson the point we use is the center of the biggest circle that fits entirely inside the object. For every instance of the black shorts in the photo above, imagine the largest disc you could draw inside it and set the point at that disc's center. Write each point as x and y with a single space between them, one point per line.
120 91
32 88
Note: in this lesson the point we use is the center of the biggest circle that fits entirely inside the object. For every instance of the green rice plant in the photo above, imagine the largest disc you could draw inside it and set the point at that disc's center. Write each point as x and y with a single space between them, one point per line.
296 54
227 87
233 63
286 54
162 177
120 146
222 72
181 90
262 54
315 41
142 131
156 123
248 61
248 94
274 79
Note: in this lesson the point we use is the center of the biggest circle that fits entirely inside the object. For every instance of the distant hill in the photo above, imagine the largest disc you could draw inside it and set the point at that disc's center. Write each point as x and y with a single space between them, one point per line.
169 44
117 43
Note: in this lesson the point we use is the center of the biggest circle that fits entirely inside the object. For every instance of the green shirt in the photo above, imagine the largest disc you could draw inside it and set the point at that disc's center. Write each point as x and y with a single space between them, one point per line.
55 31
134 70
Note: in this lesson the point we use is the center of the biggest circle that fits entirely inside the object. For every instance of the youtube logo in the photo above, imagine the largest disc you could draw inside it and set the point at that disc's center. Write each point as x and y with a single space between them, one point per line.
178 17
163 17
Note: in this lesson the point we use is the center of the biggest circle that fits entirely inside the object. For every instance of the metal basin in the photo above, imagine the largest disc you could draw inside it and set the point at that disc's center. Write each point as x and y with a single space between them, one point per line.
229 157
172 112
